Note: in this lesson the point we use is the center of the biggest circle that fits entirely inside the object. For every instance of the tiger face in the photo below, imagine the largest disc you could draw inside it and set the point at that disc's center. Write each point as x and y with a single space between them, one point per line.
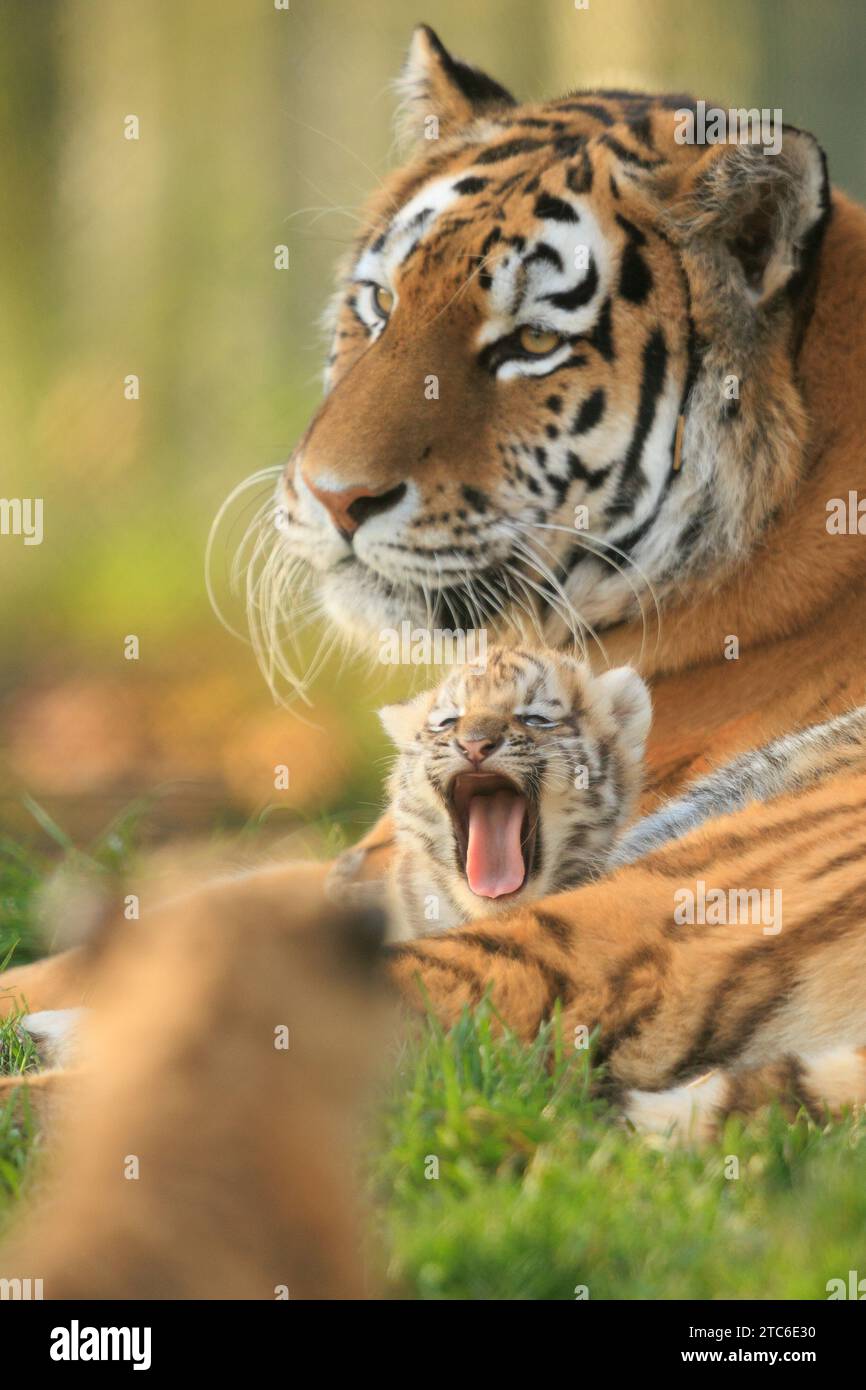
512 780
550 307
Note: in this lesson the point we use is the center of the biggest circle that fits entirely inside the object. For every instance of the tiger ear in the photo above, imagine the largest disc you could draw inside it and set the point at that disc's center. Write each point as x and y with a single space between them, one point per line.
630 704
757 213
402 722
439 95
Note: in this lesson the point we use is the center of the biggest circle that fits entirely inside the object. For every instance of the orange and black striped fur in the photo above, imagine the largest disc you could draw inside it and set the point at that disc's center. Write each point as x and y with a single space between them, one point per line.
514 779
537 296
534 301
694 1020
791 763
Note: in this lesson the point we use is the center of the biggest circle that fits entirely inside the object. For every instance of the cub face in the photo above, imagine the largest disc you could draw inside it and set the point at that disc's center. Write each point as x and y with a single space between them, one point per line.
514 778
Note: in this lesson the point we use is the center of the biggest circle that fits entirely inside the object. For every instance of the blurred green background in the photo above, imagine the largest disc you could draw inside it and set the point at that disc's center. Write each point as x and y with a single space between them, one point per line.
258 126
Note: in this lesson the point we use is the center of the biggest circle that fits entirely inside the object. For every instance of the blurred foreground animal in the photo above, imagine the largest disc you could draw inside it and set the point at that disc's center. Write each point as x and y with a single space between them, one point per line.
205 1144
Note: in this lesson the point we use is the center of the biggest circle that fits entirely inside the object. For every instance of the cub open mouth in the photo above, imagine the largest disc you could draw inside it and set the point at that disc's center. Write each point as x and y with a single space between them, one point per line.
495 828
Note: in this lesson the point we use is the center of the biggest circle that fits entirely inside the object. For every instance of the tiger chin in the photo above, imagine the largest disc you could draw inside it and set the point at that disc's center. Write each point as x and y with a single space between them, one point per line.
513 780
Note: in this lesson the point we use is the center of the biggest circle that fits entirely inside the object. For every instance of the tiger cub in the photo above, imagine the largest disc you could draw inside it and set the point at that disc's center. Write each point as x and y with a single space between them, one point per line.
243 1105
513 780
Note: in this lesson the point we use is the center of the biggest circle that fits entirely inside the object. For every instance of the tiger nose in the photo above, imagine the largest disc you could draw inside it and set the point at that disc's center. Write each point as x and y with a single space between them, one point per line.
350 507
477 749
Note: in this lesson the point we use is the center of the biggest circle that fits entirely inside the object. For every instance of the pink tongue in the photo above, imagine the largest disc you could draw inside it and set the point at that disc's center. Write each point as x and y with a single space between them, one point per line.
494 861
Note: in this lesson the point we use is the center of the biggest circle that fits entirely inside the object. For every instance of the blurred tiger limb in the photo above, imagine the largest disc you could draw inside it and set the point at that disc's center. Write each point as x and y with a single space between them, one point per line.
204 1141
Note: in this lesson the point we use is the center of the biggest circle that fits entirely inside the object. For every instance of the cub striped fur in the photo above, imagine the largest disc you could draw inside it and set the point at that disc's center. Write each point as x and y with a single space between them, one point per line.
787 764
765 1015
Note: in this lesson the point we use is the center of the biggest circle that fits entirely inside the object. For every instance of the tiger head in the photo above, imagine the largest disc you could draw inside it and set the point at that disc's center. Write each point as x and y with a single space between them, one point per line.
515 776
550 308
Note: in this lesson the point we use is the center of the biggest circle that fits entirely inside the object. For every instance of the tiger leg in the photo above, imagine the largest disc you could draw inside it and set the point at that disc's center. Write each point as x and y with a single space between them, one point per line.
57 982
823 1084
64 981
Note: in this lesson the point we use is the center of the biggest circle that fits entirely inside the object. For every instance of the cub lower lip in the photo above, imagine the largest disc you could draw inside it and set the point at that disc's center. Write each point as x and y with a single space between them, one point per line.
494 827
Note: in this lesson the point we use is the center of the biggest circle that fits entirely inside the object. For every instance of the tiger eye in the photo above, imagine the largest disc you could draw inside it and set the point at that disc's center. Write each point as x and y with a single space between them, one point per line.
538 341
384 301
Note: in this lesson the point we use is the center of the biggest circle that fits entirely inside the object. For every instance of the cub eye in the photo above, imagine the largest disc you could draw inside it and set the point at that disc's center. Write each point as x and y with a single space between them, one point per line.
538 721
383 301
538 341
437 726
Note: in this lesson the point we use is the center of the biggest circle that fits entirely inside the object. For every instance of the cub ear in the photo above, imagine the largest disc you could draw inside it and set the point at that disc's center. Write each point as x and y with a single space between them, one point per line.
760 214
402 722
630 704
439 94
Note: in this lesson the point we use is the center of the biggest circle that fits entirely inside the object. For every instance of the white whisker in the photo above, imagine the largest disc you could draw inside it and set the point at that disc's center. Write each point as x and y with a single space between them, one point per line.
260 476
580 537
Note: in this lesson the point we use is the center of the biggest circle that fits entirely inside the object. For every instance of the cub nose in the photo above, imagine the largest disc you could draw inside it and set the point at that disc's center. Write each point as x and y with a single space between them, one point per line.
350 507
477 749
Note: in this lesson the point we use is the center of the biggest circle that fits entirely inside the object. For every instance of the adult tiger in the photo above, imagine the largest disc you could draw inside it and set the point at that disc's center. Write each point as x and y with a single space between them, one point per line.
537 299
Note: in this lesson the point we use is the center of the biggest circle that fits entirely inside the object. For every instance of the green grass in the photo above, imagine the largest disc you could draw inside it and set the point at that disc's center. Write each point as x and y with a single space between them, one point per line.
18 1132
23 870
21 873
20 876
540 1188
